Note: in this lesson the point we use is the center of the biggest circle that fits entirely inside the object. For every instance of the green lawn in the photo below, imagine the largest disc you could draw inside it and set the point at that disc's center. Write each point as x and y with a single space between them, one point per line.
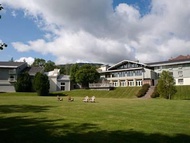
119 92
183 92
34 119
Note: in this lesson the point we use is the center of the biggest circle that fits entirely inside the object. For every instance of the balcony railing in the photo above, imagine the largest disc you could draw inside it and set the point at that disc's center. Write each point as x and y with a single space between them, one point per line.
12 80
101 86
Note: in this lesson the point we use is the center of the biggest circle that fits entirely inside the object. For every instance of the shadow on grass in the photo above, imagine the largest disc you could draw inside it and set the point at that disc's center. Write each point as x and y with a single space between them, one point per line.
57 93
39 130
22 108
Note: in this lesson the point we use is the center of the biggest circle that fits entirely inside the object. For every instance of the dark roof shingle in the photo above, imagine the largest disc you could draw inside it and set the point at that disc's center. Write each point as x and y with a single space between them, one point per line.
11 64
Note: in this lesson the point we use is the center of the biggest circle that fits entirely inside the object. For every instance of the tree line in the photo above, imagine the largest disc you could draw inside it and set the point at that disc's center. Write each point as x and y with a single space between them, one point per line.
79 74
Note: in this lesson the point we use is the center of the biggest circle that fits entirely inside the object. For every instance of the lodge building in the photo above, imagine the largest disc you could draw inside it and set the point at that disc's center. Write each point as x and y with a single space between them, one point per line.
134 73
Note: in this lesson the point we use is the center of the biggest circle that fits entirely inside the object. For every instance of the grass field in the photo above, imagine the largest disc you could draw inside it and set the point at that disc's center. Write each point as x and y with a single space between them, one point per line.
119 92
183 92
35 119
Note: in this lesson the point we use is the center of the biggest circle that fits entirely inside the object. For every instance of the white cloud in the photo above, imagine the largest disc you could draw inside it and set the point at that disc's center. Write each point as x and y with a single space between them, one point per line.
29 60
93 31
21 47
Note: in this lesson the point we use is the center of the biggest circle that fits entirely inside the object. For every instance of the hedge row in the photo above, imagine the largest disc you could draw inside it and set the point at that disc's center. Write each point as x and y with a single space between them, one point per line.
143 90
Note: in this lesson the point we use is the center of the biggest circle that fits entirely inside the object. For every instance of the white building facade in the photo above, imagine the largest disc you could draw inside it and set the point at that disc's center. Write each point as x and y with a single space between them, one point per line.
179 69
134 73
58 82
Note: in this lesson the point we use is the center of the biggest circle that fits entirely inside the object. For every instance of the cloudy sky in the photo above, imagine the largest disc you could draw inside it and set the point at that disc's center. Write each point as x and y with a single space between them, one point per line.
103 31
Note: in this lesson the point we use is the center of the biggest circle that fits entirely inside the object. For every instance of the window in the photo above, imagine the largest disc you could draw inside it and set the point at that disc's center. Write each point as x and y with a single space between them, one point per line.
115 83
129 73
171 73
122 83
180 81
121 74
139 83
62 83
160 68
180 66
138 72
115 75
131 83
180 73
62 86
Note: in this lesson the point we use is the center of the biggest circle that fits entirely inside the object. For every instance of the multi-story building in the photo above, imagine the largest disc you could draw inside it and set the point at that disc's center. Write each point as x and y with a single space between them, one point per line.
134 73
128 73
9 72
178 67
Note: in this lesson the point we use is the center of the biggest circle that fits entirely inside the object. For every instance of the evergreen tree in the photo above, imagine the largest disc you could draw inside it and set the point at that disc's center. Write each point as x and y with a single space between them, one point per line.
41 84
24 83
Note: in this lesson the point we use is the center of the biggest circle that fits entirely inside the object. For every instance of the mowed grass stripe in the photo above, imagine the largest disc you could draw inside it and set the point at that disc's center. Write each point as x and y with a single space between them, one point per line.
119 92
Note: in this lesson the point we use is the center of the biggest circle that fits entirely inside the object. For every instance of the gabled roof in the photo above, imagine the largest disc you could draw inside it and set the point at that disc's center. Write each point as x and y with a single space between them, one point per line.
11 64
33 70
180 57
126 61
63 77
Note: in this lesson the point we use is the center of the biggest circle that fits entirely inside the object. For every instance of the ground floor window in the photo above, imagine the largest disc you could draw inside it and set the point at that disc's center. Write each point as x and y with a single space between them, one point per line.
122 83
115 83
62 85
180 81
131 83
139 83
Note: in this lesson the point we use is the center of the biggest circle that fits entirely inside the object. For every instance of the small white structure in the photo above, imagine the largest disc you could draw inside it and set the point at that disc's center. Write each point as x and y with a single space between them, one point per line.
58 82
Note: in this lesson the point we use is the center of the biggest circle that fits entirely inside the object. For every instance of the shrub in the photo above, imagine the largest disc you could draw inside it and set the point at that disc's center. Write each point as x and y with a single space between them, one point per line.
24 83
143 90
155 93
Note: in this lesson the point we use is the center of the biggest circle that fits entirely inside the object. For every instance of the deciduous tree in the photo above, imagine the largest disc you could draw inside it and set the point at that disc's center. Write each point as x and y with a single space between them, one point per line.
73 71
39 62
86 74
49 66
166 85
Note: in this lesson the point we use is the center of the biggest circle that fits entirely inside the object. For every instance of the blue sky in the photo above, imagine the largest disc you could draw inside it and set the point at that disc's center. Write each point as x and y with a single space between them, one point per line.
103 31
18 28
